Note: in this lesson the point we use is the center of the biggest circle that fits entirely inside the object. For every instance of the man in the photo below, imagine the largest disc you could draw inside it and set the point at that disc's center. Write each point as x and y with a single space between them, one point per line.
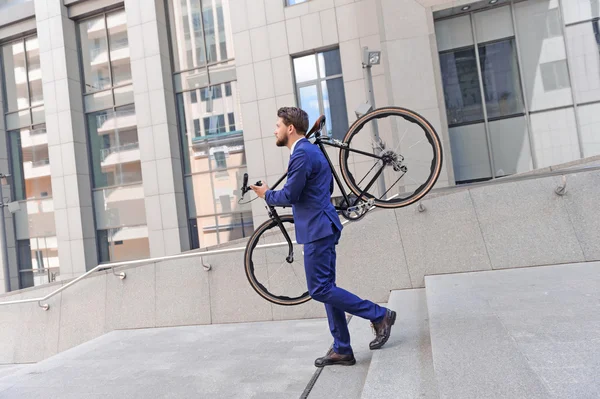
308 190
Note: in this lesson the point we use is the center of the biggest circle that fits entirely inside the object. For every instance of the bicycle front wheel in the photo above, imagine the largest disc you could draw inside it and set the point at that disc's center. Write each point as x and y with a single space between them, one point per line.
392 156
275 272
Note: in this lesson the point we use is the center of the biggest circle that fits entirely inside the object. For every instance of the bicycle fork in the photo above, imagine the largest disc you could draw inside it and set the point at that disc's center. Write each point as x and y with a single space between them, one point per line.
274 215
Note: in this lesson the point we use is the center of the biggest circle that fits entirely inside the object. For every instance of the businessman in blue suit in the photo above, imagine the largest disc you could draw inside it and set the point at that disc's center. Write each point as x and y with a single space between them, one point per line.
308 190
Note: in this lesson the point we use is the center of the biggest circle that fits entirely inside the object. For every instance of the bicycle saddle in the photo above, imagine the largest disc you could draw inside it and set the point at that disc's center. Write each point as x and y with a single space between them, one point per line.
317 127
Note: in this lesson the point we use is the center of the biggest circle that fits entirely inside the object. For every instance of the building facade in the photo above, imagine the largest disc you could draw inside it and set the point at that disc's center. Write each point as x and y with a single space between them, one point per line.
127 126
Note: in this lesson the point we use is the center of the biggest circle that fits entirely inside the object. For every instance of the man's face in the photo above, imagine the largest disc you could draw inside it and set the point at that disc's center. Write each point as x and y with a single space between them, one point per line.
282 133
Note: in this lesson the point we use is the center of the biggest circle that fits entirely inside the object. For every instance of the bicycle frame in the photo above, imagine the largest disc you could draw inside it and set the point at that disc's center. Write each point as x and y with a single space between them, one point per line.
322 143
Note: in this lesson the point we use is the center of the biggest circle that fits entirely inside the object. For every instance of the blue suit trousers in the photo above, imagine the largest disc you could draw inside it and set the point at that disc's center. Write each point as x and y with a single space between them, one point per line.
319 265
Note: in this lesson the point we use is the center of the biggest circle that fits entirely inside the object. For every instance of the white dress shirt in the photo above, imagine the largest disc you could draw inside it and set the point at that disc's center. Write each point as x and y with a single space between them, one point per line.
294 145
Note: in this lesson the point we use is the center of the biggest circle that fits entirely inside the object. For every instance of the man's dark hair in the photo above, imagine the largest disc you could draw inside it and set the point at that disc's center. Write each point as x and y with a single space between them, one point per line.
294 116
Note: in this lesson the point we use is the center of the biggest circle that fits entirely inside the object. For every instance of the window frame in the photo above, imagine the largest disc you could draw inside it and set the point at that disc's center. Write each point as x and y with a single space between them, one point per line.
315 82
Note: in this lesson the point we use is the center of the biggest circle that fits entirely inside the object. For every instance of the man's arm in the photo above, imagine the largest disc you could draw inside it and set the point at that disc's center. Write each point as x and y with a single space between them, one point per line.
298 172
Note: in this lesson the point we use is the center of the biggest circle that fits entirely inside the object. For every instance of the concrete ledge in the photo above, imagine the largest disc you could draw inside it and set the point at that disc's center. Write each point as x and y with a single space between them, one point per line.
513 225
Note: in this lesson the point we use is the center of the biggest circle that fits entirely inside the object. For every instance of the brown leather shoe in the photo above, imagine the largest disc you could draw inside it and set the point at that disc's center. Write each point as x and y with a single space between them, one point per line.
383 330
333 358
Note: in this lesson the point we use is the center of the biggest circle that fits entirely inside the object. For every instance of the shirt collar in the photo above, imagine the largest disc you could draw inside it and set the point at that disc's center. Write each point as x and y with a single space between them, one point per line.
294 145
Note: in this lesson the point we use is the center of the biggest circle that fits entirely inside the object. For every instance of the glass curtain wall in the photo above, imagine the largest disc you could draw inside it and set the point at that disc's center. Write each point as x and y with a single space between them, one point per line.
209 119
119 207
583 43
508 88
30 165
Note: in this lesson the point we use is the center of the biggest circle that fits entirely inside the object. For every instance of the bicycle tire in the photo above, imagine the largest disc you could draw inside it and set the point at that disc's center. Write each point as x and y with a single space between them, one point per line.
250 269
431 136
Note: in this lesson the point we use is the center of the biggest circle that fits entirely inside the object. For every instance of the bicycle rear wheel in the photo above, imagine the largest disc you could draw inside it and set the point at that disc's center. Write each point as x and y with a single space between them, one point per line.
268 270
400 167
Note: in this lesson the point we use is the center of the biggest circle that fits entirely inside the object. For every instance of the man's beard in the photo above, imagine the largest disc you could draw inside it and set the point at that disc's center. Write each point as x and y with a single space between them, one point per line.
282 142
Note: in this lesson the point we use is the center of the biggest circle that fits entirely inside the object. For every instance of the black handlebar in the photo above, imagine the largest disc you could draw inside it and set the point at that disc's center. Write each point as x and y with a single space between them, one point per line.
245 187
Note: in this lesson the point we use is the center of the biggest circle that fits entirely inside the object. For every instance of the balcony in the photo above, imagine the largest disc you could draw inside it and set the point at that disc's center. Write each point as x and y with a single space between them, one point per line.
109 122
120 206
33 138
36 169
120 154
119 50
35 219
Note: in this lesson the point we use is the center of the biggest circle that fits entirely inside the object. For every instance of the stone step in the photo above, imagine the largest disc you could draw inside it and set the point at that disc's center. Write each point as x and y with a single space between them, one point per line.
342 381
403 368
520 333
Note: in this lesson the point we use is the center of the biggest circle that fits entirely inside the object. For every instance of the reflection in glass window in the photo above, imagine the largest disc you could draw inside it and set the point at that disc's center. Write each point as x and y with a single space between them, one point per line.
114 147
501 79
584 43
30 163
22 82
119 208
215 162
555 75
104 41
292 2
27 145
200 32
123 243
461 86
38 261
320 90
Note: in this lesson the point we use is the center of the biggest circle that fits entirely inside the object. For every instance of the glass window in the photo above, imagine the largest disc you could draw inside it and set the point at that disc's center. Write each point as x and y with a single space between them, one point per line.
589 119
470 153
197 131
94 54
30 163
22 80
555 137
231 121
35 230
200 32
116 24
454 33
543 54
120 206
34 72
501 79
292 2
320 90
4 4
123 243
215 163
17 96
580 10
214 124
510 146
38 261
105 51
114 147
461 86
584 44
493 24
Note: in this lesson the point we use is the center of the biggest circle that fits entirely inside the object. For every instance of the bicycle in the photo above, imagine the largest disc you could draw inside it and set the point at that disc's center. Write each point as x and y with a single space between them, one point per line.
270 249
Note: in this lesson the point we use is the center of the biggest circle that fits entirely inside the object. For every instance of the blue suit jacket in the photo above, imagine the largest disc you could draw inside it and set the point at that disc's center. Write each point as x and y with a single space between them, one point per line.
308 190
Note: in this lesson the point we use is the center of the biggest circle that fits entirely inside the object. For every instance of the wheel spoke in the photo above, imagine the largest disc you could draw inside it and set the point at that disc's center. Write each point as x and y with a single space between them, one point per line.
388 190
361 180
416 143
403 136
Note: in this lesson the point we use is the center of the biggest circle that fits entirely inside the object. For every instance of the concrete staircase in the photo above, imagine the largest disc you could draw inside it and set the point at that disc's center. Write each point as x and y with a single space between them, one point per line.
518 333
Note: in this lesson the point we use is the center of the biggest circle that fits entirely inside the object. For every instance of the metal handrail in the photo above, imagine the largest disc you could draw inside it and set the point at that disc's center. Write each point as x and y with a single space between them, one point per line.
122 275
